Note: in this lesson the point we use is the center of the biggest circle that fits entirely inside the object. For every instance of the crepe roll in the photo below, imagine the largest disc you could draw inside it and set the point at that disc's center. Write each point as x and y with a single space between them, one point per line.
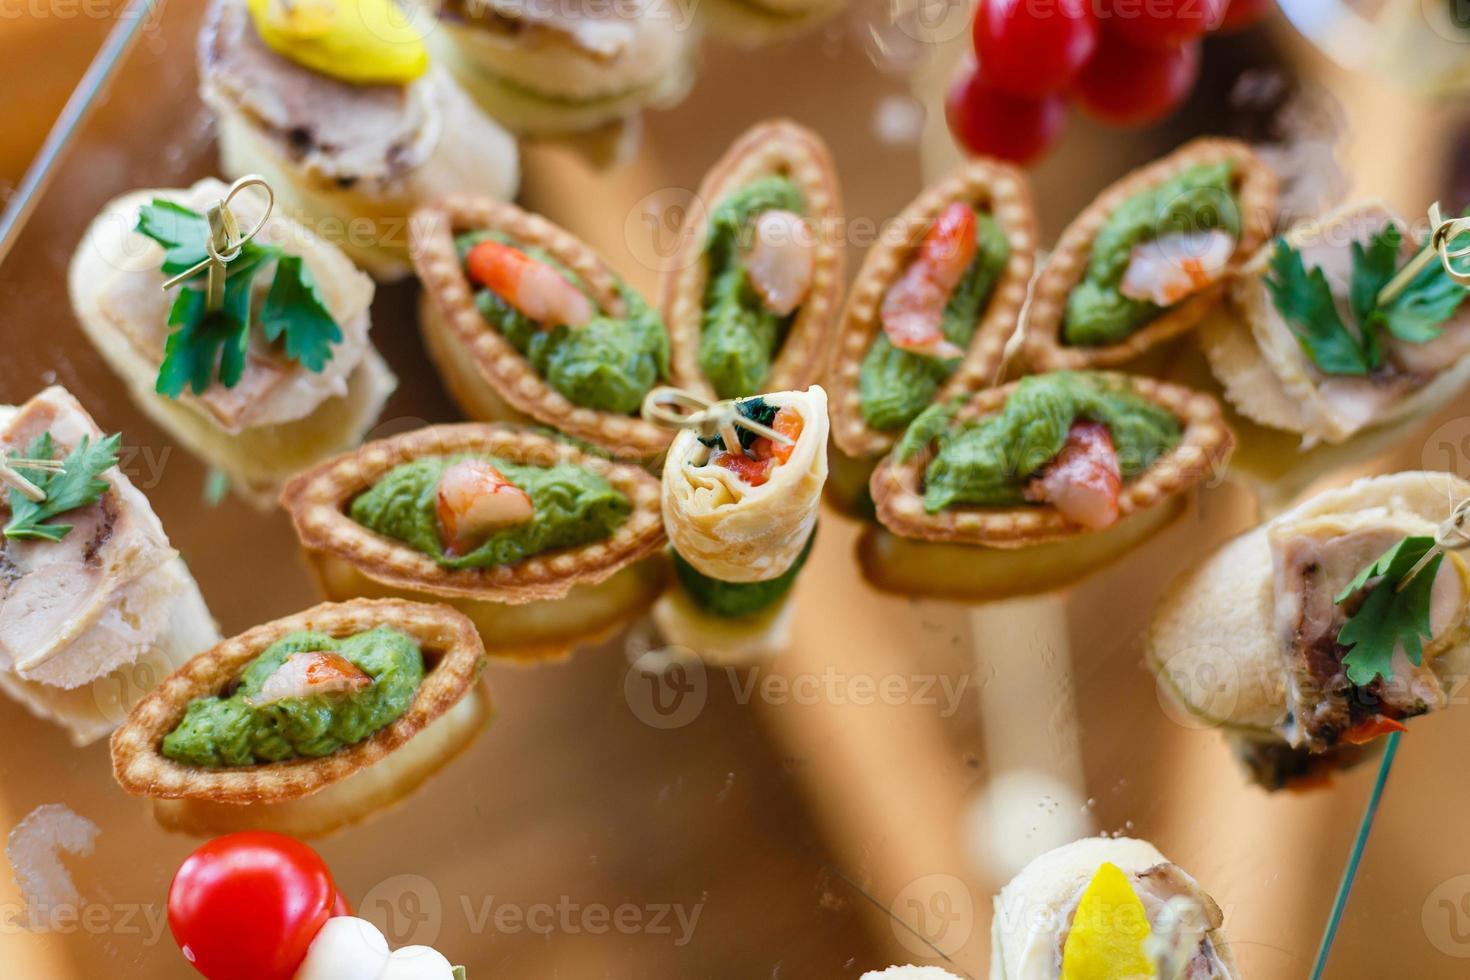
742 524
555 69
1285 638
1149 258
306 724
346 119
1105 908
297 380
95 604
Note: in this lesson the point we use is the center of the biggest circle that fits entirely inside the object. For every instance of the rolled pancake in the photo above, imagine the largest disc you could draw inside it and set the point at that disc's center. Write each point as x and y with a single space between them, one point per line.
1216 629
1033 911
734 532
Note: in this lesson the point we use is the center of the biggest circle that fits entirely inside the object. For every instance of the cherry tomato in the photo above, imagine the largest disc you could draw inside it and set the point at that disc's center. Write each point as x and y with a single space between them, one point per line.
246 906
987 122
340 906
1130 86
1034 48
1161 24
1240 14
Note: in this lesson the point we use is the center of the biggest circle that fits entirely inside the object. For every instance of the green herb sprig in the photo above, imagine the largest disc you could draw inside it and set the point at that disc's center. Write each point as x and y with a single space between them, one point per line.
1394 611
77 484
1305 302
204 344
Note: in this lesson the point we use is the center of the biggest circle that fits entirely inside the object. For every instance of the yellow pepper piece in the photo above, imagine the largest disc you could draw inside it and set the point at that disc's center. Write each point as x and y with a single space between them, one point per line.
363 42
1108 932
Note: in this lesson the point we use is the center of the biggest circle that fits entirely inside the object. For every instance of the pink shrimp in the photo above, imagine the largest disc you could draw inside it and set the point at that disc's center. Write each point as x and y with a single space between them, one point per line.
779 261
1167 269
913 307
307 674
1083 482
532 287
474 498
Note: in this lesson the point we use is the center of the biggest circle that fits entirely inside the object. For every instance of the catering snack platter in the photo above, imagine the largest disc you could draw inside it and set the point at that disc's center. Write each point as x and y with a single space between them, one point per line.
583 773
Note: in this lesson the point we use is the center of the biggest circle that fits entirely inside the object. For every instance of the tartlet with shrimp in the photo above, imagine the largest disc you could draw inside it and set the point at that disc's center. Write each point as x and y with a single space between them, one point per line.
308 723
1037 482
1150 257
282 375
751 296
337 105
741 522
542 543
930 313
525 321
95 604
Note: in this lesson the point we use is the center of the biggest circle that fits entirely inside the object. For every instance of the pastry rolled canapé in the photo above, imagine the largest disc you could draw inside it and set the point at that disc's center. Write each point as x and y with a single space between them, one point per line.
1285 638
95 605
299 379
540 542
752 294
523 320
548 69
936 300
308 723
1150 257
351 125
1092 460
1296 350
742 524
1104 909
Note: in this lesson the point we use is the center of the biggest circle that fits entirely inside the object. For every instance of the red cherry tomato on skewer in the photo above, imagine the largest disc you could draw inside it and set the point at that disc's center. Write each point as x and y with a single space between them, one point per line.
988 122
246 906
1161 24
1033 48
1130 86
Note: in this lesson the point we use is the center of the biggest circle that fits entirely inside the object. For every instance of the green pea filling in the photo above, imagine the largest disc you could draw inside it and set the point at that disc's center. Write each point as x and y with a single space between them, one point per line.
573 507
987 462
1199 198
895 385
607 364
739 337
218 732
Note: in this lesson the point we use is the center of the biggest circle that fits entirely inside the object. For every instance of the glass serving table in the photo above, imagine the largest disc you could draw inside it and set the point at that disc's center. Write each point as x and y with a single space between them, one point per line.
856 801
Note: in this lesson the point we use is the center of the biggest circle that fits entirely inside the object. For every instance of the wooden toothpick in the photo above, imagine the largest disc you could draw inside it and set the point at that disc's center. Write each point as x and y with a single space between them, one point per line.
225 241
1442 231
675 408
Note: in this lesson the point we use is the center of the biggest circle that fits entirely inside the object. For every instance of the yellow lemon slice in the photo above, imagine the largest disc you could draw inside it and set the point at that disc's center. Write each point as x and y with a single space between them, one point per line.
1108 931
364 42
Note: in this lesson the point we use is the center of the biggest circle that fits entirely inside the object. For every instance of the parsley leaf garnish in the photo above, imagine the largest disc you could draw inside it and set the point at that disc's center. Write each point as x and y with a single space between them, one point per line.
1389 615
1305 302
77 485
205 344
294 308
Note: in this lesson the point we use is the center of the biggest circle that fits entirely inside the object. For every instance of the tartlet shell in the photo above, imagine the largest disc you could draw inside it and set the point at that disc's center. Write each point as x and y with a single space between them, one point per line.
776 146
317 500
431 246
1067 263
141 769
1005 192
1204 446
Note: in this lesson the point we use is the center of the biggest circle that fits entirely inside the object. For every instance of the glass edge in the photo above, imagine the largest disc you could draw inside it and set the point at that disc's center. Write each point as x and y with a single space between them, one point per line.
79 105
